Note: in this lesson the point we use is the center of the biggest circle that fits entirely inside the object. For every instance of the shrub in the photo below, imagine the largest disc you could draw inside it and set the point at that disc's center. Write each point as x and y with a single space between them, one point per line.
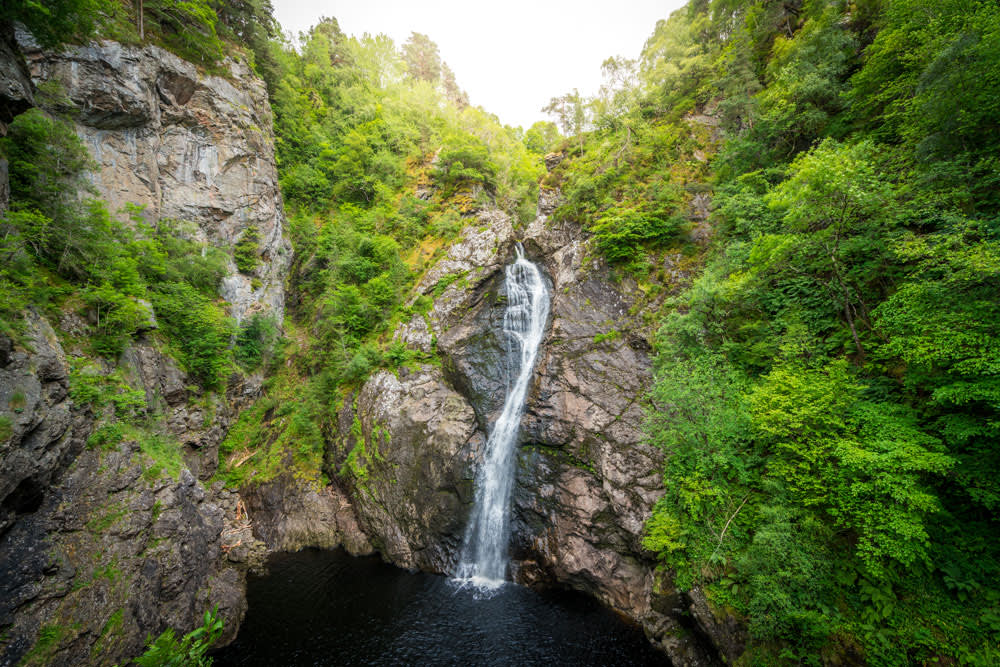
199 329
189 651
245 253
255 340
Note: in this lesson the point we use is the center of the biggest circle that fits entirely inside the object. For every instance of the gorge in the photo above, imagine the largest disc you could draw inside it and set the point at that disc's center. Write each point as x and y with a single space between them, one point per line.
716 352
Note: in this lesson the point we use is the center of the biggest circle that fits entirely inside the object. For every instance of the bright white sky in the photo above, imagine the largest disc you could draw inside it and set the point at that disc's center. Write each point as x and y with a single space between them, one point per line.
511 56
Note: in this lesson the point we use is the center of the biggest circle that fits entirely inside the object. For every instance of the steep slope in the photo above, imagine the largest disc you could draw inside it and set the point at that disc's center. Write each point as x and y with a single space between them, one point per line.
108 534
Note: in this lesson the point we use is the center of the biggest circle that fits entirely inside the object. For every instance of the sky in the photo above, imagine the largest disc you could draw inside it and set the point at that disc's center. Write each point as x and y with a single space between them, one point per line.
511 56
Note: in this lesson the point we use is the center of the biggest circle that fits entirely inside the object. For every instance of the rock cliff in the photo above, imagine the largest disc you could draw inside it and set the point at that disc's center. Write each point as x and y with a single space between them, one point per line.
181 144
98 547
586 481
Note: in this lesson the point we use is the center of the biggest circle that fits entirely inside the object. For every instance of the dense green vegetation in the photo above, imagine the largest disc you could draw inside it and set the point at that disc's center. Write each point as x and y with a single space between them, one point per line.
827 389
382 163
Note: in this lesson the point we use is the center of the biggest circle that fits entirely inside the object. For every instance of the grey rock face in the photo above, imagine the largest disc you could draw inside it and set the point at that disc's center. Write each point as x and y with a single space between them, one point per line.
16 94
408 441
183 145
112 556
586 480
94 542
34 404
289 515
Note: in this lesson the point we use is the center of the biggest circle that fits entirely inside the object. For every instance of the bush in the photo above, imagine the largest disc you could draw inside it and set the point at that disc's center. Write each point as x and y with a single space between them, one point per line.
621 233
245 253
254 341
198 327
189 651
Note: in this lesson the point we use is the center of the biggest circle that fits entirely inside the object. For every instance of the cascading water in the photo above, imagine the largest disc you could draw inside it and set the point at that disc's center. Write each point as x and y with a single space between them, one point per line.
483 560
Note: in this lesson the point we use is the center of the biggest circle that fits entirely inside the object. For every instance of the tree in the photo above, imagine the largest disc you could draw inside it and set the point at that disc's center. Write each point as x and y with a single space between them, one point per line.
541 137
834 207
455 95
570 112
54 22
423 61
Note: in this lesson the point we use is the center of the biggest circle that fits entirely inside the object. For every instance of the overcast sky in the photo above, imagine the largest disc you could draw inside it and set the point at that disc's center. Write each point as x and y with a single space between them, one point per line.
511 56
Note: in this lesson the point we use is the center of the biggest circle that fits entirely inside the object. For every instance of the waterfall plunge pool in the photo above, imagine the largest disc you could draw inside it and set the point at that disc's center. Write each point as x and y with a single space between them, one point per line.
319 607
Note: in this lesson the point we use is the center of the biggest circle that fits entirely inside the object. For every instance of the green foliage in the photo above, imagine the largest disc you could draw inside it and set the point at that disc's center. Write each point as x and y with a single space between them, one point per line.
56 21
542 137
825 391
254 341
188 651
245 253
199 328
187 27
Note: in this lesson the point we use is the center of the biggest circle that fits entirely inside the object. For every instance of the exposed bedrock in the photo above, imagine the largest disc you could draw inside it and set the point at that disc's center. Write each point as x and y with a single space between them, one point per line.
182 144
586 481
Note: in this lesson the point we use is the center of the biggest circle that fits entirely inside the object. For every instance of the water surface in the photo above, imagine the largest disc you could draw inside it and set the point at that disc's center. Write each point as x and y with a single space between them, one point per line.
327 608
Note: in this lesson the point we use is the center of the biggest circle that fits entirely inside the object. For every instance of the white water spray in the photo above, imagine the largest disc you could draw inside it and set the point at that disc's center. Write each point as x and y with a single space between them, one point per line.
483 561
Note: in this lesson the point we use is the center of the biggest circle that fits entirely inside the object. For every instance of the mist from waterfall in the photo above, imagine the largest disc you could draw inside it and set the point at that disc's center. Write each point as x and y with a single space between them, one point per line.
483 559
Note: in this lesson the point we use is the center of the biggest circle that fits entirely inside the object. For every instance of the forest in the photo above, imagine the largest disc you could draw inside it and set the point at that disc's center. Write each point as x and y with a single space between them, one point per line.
827 385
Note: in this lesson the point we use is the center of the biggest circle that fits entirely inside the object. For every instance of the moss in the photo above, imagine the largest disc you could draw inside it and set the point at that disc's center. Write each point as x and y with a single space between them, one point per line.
109 517
356 462
156 511
111 631
562 455
50 637
6 428
608 337
447 281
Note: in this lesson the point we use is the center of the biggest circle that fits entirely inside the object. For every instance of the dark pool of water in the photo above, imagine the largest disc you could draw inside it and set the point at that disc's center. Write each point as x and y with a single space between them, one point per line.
327 608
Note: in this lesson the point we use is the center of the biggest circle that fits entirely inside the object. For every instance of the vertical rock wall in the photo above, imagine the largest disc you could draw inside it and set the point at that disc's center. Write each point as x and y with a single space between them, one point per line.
98 550
180 143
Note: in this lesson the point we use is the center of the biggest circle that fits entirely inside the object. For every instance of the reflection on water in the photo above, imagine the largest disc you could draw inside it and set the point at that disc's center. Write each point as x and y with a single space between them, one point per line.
327 608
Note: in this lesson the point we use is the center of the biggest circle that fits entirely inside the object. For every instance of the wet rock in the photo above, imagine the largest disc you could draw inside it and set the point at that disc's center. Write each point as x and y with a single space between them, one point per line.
723 629
289 515
16 92
407 442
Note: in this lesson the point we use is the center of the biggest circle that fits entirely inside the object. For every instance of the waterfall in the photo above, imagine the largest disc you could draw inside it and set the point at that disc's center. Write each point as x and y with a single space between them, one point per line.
483 560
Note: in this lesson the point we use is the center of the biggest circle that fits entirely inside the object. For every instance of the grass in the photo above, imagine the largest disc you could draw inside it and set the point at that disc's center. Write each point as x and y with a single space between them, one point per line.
99 524
17 401
50 637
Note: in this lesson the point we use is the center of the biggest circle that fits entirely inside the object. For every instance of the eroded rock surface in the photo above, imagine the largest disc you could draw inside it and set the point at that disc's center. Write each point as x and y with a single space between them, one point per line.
37 436
289 515
183 145
586 481
111 557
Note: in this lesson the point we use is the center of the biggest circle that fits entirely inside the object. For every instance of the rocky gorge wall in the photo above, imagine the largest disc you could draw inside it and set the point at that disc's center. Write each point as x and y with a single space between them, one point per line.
98 549
96 553
586 481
